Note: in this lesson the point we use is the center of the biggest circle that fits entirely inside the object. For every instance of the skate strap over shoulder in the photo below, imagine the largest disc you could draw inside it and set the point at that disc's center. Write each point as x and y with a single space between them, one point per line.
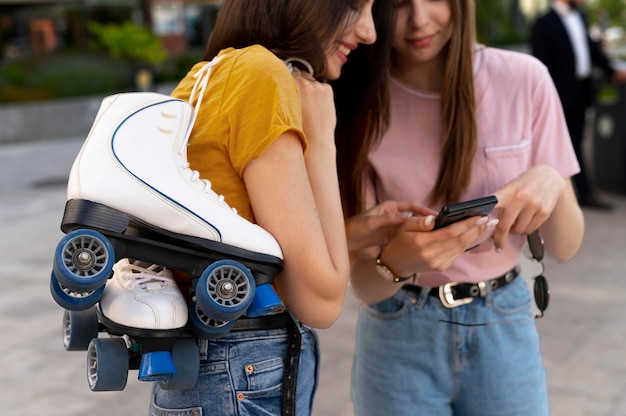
197 94
202 80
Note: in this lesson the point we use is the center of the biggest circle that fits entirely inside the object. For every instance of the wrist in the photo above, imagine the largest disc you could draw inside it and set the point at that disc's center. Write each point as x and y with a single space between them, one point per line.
387 273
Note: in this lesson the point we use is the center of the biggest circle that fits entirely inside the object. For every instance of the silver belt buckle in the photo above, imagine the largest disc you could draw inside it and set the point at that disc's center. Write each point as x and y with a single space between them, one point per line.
447 298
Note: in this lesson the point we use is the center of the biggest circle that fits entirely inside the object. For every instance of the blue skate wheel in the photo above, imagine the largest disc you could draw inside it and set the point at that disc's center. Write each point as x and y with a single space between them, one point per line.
156 366
187 361
107 364
225 290
83 260
79 328
71 300
205 326
265 301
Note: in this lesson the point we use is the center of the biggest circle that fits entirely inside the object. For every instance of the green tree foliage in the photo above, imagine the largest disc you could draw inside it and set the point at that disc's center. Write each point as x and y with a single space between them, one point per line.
607 12
62 75
500 22
128 41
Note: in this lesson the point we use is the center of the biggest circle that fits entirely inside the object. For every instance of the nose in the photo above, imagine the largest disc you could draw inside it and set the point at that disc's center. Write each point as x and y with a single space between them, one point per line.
419 16
365 29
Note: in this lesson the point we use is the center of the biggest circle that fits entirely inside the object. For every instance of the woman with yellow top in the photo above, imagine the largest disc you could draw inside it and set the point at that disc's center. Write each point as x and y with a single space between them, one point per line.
264 137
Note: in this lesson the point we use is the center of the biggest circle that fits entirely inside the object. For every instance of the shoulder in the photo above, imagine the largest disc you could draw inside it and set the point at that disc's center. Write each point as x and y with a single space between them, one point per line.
550 19
518 73
508 63
256 64
548 15
255 55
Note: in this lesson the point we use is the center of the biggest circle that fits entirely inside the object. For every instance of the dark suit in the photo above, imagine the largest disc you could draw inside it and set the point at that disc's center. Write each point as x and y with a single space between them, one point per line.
550 43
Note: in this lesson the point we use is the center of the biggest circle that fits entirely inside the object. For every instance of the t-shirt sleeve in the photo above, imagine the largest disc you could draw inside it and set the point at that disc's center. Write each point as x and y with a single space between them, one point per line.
552 143
263 102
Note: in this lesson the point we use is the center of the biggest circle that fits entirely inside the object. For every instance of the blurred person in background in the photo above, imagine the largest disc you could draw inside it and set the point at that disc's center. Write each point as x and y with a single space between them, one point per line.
560 39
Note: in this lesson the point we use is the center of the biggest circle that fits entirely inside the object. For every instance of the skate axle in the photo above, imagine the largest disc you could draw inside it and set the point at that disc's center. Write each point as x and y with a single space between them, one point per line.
226 290
84 260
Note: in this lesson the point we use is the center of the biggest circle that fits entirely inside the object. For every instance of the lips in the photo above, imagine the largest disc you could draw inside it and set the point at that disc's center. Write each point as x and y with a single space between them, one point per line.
421 41
344 50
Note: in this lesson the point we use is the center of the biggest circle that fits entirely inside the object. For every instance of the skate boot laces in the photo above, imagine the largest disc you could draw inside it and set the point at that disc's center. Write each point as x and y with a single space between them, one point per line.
148 277
194 177
195 99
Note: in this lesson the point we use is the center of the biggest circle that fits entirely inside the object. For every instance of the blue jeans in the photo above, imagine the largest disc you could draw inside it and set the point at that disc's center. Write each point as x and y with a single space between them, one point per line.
408 362
241 375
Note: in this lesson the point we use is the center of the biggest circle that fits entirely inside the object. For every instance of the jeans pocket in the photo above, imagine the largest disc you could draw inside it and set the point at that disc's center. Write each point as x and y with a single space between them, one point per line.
263 396
264 377
390 308
513 298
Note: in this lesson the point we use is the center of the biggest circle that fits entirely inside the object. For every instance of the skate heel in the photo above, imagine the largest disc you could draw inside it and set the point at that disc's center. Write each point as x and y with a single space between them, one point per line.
265 301
81 213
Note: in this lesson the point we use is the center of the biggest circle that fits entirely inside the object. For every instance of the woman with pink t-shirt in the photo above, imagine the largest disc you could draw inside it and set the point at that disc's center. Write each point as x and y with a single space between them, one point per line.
447 328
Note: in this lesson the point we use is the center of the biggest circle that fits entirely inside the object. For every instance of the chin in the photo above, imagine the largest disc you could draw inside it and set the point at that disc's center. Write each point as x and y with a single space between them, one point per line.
332 74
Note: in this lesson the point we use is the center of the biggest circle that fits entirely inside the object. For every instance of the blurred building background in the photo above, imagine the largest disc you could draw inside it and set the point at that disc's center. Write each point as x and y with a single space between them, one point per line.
77 31
68 48
45 26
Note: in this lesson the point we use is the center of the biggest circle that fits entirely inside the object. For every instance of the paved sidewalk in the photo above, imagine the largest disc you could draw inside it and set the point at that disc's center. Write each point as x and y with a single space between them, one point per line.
583 333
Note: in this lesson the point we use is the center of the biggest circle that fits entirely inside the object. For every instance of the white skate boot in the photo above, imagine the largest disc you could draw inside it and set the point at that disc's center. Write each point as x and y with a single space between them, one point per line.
135 161
143 296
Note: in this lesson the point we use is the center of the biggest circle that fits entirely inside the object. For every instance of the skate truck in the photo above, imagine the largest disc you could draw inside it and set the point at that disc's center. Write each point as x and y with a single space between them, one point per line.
134 203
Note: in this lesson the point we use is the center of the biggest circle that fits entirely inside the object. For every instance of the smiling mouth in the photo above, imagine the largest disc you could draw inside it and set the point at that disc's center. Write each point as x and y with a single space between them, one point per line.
421 41
344 50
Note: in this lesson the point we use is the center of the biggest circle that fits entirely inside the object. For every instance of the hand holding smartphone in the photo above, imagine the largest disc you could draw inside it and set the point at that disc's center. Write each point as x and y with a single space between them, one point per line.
452 213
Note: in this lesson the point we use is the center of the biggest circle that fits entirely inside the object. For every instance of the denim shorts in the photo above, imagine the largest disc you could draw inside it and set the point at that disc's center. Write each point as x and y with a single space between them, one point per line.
408 362
241 375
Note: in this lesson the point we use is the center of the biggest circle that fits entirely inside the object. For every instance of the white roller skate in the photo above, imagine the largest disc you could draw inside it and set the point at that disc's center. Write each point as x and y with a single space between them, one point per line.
142 295
135 161
131 194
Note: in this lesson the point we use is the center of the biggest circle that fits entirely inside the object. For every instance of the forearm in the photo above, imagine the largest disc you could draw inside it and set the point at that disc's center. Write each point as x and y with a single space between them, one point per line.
563 231
325 187
317 283
316 267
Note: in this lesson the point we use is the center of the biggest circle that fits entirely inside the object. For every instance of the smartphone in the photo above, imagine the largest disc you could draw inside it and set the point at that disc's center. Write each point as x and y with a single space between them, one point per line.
456 212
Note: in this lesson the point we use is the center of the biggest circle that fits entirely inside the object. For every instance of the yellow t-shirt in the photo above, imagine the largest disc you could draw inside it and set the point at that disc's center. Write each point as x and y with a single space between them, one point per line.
251 99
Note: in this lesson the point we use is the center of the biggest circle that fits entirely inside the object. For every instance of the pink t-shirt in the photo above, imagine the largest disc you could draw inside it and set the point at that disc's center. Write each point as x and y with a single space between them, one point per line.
520 124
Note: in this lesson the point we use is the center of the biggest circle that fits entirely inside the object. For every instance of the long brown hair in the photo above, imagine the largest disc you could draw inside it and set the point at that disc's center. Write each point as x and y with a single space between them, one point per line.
362 99
289 28
362 103
458 107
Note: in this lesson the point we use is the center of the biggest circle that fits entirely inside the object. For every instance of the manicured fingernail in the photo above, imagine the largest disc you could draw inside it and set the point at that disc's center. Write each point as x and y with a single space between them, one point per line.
428 219
482 220
498 250
492 224
405 214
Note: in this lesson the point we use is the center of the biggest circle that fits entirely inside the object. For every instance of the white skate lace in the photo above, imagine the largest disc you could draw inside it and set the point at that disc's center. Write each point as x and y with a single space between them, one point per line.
195 178
148 277
199 88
